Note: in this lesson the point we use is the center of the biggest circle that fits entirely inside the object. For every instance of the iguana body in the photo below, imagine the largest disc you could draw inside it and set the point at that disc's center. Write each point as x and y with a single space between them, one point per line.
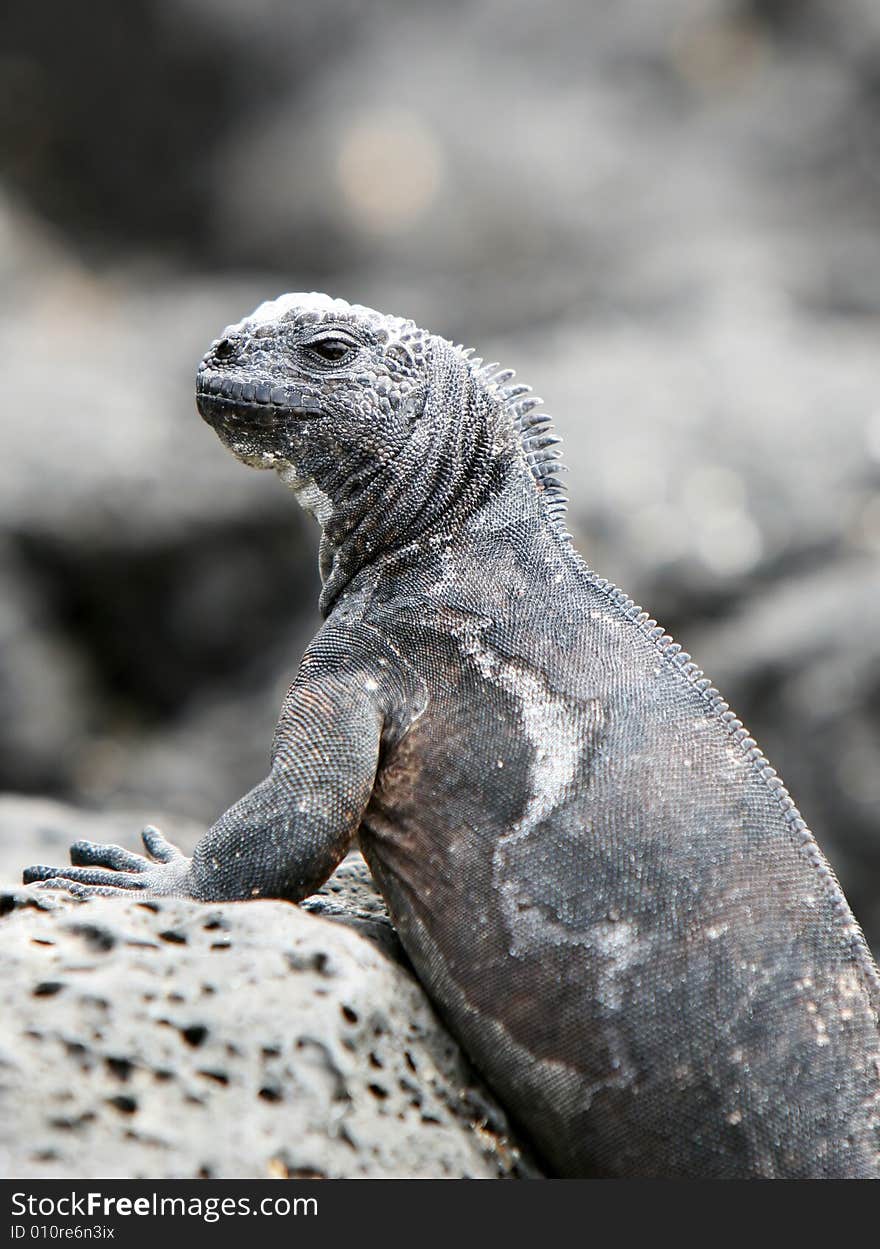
599 880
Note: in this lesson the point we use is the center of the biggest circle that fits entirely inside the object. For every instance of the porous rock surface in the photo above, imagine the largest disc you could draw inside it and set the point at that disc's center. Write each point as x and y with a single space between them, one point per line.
178 1039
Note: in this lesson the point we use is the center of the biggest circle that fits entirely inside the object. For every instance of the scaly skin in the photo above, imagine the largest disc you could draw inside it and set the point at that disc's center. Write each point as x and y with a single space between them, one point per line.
599 880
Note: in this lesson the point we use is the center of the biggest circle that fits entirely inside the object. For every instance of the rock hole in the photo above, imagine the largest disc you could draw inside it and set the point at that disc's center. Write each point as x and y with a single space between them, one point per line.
41 941
174 936
270 1093
125 1105
376 1061
378 1091
71 1123
219 1077
350 1015
95 936
48 988
119 1067
408 1059
195 1034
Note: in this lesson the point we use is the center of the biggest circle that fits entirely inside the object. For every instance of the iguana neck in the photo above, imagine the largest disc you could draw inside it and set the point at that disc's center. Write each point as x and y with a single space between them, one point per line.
459 457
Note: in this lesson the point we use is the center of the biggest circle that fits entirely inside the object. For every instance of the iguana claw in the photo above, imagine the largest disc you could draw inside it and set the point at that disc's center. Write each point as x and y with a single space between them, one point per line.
101 870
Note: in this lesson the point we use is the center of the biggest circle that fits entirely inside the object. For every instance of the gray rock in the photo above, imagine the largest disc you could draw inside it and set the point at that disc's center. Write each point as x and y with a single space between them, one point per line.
350 897
174 1039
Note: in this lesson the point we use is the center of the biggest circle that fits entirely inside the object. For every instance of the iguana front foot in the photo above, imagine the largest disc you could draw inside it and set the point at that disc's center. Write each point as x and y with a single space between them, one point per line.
106 870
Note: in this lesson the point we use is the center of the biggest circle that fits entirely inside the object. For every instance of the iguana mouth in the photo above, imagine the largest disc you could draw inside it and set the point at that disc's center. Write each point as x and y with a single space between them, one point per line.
221 399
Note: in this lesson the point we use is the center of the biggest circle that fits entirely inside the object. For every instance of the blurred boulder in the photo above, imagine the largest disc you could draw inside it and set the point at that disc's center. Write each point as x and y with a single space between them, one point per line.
572 162
144 574
115 120
718 453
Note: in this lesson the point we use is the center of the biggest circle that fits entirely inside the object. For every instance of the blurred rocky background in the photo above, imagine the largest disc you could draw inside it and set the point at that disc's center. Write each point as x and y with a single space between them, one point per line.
664 213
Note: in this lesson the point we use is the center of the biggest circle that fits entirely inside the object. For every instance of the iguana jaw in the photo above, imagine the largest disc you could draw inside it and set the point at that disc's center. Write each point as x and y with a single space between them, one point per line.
246 416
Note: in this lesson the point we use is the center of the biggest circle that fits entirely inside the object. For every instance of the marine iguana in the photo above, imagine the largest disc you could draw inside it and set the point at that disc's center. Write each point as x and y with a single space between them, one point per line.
601 882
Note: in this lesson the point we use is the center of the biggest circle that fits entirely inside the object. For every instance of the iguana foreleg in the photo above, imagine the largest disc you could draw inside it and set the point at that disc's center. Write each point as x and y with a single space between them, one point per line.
283 838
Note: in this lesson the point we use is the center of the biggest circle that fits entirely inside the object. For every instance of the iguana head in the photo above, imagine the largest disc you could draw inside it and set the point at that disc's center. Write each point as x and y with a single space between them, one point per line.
383 430
314 387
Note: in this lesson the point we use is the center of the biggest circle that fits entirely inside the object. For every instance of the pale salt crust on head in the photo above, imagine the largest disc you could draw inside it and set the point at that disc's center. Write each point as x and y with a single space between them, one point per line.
303 301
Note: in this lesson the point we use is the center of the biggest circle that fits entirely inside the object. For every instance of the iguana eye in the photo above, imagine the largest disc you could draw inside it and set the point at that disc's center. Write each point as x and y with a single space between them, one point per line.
333 349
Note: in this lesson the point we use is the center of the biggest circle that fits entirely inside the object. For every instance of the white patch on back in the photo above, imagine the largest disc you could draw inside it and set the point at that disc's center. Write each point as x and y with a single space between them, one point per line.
556 734
618 947
549 723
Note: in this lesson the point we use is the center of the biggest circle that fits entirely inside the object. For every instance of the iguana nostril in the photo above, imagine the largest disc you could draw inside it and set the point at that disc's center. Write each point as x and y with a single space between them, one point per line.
224 349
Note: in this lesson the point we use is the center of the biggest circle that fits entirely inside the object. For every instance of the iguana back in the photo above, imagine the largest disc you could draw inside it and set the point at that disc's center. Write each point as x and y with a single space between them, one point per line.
609 893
